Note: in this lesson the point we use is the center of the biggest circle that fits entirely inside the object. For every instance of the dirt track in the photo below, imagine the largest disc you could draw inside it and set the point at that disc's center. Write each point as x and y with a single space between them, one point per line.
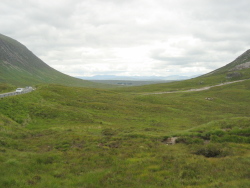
199 89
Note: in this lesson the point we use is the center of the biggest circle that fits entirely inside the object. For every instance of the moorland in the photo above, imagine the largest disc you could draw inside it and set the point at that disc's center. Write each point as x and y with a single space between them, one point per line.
60 136
63 135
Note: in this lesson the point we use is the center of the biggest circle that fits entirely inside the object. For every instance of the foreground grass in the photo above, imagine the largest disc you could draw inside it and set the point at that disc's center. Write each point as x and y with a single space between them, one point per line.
76 137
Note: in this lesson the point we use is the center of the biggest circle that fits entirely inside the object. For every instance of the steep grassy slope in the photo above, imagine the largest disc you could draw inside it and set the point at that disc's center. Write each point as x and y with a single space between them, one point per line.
21 67
60 136
242 59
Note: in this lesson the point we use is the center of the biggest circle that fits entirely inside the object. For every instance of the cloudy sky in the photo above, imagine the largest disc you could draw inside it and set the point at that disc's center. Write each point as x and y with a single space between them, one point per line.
130 37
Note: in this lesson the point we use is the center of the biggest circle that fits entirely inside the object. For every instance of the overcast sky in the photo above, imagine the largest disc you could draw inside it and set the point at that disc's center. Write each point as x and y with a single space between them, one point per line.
130 37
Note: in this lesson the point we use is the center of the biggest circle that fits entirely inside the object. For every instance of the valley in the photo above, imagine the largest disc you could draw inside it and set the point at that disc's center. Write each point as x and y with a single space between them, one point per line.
74 137
81 134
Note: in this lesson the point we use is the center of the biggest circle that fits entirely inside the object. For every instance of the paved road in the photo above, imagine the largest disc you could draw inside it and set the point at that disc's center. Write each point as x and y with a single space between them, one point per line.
199 89
15 93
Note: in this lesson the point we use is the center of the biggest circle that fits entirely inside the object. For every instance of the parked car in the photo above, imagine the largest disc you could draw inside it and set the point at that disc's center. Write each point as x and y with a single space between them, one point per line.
29 88
19 90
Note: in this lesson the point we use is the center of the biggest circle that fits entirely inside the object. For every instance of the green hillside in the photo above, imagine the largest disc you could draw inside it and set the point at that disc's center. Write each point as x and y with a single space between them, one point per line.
238 69
241 60
60 136
19 66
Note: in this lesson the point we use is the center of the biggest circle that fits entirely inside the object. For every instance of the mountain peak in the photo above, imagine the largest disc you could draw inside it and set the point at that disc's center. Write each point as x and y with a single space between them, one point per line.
245 57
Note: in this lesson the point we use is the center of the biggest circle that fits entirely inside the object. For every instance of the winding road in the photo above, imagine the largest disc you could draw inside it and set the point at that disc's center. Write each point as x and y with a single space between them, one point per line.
199 89
2 95
156 93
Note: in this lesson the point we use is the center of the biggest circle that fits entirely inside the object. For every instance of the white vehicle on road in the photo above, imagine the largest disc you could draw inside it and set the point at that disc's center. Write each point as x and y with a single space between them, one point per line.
19 90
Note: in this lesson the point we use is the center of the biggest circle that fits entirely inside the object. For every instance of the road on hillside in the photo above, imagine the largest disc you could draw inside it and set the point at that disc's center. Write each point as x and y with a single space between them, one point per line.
199 89
26 90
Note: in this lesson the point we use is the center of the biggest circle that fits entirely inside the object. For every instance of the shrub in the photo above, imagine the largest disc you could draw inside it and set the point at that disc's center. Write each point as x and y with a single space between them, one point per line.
63 146
211 150
207 135
3 143
241 132
12 162
108 132
8 182
189 140
45 159
231 138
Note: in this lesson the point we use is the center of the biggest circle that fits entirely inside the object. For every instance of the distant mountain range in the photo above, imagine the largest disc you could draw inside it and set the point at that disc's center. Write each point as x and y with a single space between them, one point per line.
136 78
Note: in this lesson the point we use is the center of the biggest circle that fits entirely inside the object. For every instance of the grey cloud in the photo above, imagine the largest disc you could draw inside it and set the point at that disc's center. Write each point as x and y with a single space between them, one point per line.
211 58
208 33
223 10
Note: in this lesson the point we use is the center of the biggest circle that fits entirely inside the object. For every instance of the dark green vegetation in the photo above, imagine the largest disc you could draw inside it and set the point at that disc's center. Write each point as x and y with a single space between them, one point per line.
61 136
20 67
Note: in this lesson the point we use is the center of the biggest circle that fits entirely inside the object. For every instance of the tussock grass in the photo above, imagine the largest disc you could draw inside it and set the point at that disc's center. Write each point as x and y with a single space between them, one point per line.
60 136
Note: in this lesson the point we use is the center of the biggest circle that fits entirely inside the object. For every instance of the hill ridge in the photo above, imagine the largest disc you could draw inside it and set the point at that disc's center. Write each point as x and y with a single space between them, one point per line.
243 58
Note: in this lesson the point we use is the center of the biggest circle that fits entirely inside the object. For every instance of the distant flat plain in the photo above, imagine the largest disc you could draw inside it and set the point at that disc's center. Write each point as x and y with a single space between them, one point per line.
132 82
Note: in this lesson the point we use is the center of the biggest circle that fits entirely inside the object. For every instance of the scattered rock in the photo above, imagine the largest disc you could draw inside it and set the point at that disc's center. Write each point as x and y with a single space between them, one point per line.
209 98
206 141
241 66
170 141
234 75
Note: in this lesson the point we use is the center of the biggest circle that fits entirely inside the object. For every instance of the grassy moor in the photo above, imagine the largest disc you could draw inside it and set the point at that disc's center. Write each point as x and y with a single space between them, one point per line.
62 136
